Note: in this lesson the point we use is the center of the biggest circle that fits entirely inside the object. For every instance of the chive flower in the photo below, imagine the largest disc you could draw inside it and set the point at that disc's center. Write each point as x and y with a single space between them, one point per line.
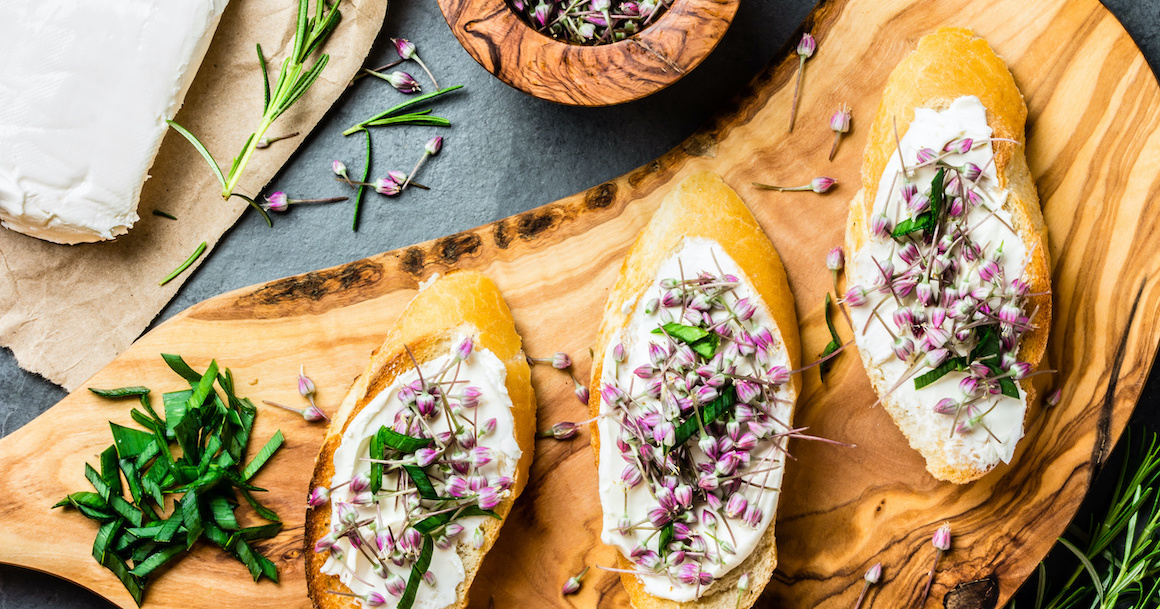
805 50
839 123
572 586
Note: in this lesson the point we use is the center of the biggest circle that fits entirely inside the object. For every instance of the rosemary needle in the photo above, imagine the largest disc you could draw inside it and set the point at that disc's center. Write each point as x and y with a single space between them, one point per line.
184 265
163 214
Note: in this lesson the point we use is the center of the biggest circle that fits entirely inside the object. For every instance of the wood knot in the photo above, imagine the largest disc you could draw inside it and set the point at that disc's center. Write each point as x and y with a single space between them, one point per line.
529 225
601 196
412 261
452 248
978 594
316 285
702 143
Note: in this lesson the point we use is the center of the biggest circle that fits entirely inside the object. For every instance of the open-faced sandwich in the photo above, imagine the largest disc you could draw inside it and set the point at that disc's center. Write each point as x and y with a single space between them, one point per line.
948 283
425 457
694 395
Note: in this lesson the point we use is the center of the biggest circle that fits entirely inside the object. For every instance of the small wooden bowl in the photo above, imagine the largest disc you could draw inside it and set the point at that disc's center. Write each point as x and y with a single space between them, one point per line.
600 75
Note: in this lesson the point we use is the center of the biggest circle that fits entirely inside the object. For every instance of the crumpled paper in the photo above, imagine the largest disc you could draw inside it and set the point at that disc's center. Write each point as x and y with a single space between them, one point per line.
67 311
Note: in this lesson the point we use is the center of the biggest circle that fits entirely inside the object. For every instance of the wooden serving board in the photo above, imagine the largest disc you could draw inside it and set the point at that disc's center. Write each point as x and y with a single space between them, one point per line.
1093 146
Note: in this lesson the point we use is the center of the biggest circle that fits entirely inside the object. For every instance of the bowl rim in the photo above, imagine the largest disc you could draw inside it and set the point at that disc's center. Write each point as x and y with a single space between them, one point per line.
581 75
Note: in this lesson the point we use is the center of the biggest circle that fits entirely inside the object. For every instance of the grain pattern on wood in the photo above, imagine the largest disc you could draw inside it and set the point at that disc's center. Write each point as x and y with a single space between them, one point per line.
1095 157
600 75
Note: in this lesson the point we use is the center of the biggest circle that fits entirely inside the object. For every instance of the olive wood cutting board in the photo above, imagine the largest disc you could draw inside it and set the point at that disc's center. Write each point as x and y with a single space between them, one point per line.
1093 147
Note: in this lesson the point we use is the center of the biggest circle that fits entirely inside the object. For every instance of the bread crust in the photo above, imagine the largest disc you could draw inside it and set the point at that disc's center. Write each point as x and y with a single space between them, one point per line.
701 205
461 301
948 64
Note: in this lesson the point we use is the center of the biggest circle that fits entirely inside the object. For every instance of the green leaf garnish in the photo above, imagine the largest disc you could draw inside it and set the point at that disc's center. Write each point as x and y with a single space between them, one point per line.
951 365
422 482
105 536
707 415
417 571
432 523
403 443
666 538
927 220
834 344
121 392
700 340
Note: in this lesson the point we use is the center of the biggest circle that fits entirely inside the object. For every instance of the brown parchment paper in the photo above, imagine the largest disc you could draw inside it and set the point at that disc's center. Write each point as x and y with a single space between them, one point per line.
67 311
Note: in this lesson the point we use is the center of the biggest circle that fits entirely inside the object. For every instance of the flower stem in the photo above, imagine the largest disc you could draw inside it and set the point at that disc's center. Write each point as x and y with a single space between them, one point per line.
429 74
834 148
782 188
796 90
930 579
862 595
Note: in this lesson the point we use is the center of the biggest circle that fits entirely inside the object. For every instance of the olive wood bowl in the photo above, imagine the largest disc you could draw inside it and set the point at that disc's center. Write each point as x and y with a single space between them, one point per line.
601 75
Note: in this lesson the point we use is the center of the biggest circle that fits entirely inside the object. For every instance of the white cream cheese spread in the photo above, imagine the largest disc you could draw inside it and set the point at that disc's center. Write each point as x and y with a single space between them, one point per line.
945 299
85 89
700 350
458 409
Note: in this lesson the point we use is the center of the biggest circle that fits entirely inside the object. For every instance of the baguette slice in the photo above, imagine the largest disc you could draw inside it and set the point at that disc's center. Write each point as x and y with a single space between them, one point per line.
462 302
702 206
950 64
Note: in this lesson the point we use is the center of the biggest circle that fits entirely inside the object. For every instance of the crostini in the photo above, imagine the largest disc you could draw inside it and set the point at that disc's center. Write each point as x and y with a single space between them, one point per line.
425 457
947 279
693 394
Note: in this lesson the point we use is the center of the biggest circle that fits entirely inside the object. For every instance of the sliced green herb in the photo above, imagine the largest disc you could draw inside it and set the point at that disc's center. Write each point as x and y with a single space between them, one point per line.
121 392
272 445
834 344
432 523
417 571
158 212
707 415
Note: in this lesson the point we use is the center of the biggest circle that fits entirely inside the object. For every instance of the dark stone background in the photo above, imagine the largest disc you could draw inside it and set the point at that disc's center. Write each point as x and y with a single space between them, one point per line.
505 154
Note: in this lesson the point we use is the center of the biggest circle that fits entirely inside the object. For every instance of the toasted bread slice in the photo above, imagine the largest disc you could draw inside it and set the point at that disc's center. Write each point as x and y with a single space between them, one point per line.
701 207
949 65
460 303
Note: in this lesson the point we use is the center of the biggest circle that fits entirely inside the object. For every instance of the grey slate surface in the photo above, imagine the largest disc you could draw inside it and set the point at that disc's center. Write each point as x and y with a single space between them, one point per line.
506 153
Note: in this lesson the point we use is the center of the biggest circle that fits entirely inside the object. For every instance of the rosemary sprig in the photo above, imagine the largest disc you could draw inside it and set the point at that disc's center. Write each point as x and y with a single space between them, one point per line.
1118 556
392 116
294 80
184 265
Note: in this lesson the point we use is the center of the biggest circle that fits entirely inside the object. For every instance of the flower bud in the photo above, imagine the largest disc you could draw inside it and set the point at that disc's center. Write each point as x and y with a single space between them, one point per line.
840 121
834 259
822 184
277 201
1054 397
387 186
881 226
339 169
374 599
312 413
561 361
618 355
807 46
359 483
434 145
572 586
463 350
404 47
946 406
318 496
403 82
874 574
942 537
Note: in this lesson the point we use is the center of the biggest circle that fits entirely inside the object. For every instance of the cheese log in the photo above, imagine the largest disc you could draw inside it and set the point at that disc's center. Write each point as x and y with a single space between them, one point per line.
950 64
462 302
87 87
702 206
